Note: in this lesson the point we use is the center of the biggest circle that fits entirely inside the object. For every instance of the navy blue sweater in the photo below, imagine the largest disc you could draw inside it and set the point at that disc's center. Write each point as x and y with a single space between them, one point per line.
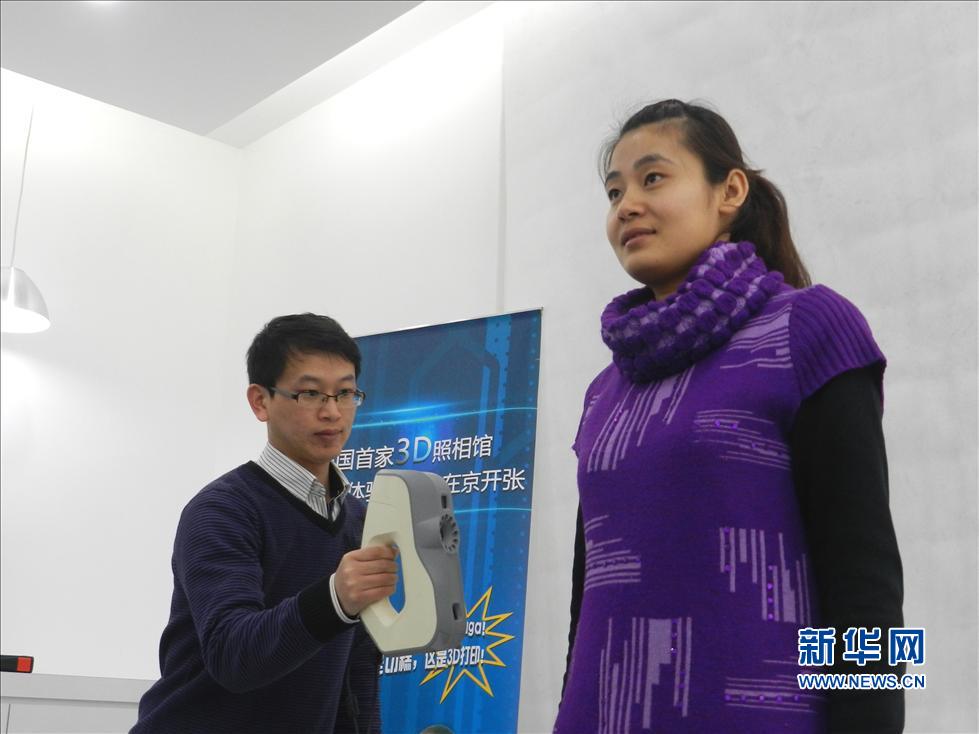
254 643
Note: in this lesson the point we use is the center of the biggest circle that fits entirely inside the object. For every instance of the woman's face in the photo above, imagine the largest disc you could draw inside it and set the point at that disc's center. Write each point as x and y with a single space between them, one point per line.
662 211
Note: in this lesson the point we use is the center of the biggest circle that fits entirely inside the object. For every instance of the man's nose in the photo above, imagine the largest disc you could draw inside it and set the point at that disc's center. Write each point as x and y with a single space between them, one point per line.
330 408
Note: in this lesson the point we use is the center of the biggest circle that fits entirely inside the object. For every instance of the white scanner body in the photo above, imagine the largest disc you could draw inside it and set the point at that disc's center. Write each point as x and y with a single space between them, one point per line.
413 510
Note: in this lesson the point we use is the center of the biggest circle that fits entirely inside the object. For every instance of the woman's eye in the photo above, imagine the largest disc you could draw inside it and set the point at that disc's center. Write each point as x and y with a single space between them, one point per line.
612 194
652 178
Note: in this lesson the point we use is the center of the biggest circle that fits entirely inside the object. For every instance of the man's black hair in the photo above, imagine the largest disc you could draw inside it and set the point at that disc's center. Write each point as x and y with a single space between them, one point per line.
285 336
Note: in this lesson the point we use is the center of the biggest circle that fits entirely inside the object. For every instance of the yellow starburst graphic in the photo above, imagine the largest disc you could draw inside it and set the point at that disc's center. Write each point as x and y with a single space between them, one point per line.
491 621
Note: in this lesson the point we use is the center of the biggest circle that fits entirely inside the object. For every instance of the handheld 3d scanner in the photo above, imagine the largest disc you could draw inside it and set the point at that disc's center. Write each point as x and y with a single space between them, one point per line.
413 510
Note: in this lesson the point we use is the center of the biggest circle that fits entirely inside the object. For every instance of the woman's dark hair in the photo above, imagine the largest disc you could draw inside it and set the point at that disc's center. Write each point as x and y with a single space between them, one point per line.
763 217
285 336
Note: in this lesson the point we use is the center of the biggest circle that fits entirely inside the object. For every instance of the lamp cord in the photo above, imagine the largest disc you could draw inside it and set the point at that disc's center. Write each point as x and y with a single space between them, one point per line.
20 196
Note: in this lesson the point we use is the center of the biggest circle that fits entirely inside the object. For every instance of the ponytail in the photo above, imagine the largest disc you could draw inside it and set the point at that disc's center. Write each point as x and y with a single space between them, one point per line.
764 220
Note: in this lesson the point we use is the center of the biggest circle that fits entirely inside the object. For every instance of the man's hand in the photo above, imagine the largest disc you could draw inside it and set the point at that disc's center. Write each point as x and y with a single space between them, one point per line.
365 576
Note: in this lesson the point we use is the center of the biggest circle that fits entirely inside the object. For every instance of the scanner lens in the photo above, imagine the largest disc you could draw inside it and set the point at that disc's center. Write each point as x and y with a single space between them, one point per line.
449 532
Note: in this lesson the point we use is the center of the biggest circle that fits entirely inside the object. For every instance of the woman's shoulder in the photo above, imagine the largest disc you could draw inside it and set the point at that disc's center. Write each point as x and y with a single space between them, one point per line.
828 335
813 296
608 374
817 309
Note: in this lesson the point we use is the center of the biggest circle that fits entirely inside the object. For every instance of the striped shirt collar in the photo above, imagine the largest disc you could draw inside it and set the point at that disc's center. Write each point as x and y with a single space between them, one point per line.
301 483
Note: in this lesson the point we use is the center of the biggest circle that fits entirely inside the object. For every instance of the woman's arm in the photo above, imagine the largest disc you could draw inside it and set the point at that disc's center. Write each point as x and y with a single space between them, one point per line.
840 469
577 589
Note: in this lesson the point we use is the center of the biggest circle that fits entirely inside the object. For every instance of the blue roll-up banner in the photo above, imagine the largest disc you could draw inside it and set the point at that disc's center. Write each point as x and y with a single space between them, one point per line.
459 400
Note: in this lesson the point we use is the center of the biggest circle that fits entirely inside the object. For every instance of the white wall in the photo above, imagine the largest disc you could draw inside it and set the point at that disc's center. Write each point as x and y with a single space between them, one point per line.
107 421
379 207
459 181
865 115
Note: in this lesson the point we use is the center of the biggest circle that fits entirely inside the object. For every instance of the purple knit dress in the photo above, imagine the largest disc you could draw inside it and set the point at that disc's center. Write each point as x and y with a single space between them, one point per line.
696 572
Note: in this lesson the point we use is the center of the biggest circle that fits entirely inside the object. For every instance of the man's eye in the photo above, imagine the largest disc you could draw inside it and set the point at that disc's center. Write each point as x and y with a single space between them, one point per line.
613 194
311 394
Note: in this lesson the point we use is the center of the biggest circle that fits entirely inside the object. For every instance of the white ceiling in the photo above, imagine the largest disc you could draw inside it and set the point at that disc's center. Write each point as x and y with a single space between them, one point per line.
228 69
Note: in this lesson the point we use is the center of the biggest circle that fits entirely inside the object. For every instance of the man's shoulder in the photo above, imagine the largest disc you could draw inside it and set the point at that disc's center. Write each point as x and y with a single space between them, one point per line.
235 488
235 480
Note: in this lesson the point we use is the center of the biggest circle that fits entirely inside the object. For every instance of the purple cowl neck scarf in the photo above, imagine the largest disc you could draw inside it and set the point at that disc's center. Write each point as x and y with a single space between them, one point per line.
653 339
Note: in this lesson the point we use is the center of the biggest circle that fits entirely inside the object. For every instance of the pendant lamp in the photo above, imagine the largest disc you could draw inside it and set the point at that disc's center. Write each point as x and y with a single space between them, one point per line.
22 307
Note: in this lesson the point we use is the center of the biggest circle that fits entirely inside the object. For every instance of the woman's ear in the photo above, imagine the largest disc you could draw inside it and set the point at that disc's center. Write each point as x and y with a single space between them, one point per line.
734 192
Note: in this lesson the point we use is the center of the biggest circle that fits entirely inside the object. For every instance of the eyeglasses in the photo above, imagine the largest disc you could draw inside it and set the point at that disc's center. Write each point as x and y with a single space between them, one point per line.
346 399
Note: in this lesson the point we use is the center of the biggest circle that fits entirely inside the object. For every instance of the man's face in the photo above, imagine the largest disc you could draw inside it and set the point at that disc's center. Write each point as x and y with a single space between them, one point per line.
312 436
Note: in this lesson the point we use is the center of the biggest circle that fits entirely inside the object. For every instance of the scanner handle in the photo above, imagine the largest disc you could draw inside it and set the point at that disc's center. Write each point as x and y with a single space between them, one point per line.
383 610
389 521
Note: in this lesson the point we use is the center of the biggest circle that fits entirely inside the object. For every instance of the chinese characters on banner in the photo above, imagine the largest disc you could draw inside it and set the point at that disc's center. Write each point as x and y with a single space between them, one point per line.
459 400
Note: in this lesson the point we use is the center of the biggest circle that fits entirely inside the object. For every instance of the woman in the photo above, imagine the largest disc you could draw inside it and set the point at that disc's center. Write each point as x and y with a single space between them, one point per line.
732 475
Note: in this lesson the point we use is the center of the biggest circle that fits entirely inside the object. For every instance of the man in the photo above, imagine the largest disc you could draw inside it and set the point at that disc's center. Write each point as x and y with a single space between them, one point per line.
268 573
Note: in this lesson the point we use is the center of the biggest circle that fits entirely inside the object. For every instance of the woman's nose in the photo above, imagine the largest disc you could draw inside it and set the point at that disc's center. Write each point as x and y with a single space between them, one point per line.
630 206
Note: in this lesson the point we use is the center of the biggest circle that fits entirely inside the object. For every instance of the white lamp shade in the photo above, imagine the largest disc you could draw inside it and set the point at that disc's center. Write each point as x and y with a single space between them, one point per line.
22 309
